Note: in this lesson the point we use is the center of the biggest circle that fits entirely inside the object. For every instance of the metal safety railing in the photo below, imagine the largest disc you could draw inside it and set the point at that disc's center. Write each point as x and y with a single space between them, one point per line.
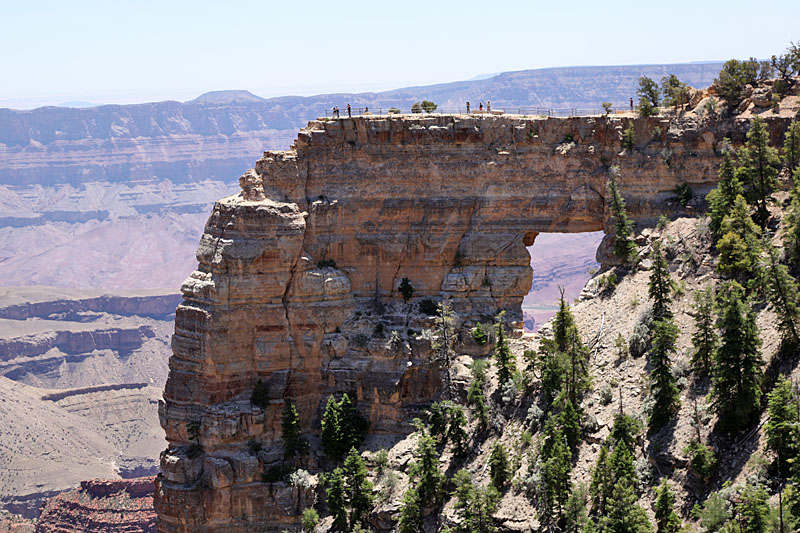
495 109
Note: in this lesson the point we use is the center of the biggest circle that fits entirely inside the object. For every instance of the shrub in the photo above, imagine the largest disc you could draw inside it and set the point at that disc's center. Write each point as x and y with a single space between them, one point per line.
733 76
428 106
310 519
606 394
498 466
663 221
629 137
406 289
416 108
428 307
607 107
394 111
683 192
480 335
702 461
260 395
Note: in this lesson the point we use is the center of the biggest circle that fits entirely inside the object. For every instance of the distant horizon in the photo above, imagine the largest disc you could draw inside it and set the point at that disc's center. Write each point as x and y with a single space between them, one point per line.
77 102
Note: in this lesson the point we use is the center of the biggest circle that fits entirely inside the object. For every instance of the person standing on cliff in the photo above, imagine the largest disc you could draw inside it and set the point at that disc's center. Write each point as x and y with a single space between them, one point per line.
480 107
467 108
349 113
631 104
335 112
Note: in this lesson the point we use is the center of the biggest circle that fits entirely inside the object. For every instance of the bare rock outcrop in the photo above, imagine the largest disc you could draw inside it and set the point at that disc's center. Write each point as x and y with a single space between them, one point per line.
298 275
113 506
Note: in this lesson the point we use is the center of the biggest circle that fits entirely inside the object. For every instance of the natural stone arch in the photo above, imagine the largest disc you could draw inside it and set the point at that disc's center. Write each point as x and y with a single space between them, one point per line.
296 270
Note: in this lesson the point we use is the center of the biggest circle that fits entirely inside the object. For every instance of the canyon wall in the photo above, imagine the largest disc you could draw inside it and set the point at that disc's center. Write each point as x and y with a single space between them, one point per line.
298 275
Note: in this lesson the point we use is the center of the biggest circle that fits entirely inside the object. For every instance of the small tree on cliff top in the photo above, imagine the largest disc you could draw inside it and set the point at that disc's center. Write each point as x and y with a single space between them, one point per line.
624 247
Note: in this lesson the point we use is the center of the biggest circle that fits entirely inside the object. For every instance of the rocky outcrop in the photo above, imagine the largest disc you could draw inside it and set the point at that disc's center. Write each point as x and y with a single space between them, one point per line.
298 276
121 506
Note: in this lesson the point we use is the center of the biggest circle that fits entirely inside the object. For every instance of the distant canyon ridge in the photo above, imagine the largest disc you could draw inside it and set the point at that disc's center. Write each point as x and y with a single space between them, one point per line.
130 186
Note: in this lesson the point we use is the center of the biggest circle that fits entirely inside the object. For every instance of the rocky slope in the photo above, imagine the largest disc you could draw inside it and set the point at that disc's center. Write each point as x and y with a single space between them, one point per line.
113 506
297 270
80 376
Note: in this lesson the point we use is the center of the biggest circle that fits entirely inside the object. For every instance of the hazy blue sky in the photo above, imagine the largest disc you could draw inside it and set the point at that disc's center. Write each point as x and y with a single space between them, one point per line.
134 51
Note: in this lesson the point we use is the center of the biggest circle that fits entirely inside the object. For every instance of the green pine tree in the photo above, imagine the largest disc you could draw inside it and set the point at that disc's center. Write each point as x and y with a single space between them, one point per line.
783 425
623 514
358 488
791 146
721 199
601 482
752 510
556 467
569 420
456 434
336 497
781 291
474 506
498 466
660 285
576 515
791 229
624 246
475 395
290 430
705 339
502 352
738 365
662 381
758 169
332 429
740 246
411 514
667 519
425 470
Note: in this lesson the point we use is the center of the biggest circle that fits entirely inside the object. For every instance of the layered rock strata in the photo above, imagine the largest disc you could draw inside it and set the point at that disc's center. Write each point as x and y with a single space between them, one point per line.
112 506
298 276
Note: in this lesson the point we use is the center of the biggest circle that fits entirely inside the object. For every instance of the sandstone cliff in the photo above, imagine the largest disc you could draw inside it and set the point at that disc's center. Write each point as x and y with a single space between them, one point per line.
297 271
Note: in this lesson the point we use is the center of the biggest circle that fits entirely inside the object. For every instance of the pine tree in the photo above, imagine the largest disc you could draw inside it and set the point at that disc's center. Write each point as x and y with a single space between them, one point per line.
498 466
662 381
556 467
554 368
475 395
332 429
660 284
443 344
791 146
752 510
758 169
622 513
705 339
290 430
474 506
569 419
336 497
425 470
667 519
437 418
624 246
740 246
791 232
721 199
601 482
502 352
738 365
783 424
455 430
342 427
358 488
410 512
572 357
781 291
576 516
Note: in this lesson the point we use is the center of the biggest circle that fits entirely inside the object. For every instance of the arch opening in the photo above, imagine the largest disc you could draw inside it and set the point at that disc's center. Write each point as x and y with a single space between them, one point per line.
558 260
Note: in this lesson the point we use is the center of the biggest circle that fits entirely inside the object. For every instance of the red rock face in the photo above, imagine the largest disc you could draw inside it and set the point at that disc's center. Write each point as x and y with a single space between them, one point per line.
297 272
122 506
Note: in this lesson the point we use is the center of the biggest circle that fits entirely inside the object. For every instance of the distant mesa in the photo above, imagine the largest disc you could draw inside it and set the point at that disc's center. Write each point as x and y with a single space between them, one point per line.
219 97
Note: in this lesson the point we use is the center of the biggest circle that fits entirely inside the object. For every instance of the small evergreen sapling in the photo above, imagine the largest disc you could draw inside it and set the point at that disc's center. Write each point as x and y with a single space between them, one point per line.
704 339
667 519
290 430
506 362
